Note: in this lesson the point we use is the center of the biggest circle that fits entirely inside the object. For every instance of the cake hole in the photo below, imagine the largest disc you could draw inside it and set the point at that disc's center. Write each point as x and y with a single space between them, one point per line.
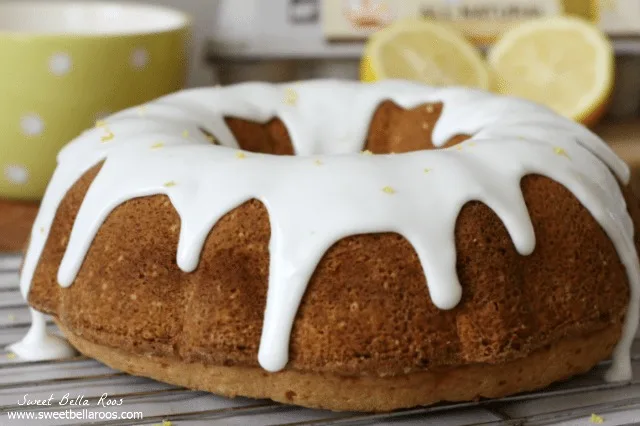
271 137
392 129
395 129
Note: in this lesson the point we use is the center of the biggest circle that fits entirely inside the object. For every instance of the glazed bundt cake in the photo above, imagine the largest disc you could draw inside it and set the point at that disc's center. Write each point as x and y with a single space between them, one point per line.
339 245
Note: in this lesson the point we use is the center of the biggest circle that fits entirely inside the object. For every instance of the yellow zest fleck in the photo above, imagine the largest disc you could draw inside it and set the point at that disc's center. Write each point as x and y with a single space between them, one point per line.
471 144
108 136
425 126
366 152
596 419
185 134
561 152
11 317
240 155
170 184
42 230
318 163
11 355
157 145
427 170
101 123
142 109
429 109
459 147
164 423
290 96
388 190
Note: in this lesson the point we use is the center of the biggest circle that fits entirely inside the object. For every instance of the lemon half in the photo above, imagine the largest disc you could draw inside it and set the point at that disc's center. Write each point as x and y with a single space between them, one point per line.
565 63
425 51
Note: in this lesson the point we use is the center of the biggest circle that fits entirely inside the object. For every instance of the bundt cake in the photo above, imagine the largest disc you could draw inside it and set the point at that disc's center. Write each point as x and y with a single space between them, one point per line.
339 245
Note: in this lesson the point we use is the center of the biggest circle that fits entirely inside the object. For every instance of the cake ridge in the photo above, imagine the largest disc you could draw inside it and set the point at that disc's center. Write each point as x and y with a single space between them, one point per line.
318 207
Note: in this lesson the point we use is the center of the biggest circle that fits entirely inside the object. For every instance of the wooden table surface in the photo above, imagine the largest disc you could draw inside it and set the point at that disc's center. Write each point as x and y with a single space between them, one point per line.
15 224
16 217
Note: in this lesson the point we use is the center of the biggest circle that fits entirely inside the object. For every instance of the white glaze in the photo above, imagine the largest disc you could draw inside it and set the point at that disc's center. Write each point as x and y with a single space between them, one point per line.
329 191
37 344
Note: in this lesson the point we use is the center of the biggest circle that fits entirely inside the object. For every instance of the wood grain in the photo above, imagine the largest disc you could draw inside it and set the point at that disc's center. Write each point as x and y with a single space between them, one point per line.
16 219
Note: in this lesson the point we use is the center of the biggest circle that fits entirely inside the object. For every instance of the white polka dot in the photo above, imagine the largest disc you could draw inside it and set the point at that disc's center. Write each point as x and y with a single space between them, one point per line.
60 63
16 174
139 58
31 124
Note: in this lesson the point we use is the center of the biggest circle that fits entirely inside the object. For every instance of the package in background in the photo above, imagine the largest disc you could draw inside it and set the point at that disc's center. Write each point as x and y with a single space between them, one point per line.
619 17
481 20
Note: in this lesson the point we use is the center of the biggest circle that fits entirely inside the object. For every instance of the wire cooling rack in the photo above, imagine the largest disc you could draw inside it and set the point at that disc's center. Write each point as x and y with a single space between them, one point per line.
84 380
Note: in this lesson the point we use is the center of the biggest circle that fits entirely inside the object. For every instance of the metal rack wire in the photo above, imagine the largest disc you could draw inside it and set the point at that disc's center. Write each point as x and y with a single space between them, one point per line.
571 402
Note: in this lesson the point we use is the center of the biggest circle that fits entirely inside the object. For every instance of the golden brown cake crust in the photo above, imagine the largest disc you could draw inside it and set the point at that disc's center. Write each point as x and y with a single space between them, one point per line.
364 393
367 310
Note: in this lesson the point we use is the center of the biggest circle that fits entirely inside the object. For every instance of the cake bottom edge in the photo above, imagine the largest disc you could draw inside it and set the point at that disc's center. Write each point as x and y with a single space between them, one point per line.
559 361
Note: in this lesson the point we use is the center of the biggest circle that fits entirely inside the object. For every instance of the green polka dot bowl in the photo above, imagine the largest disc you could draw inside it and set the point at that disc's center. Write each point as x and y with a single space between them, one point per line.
65 65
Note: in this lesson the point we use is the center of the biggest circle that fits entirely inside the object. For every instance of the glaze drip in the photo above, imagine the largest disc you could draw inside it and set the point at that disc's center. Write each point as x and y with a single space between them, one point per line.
37 344
335 194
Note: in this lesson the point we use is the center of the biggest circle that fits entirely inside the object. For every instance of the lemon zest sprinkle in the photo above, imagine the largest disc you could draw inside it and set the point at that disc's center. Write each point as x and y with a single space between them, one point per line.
596 419
241 155
11 355
318 163
108 136
388 190
561 152
366 152
101 123
170 184
185 134
290 96
427 170
157 145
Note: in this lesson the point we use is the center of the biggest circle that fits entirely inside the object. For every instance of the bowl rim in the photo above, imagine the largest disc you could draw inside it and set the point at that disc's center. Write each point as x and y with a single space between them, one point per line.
183 19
